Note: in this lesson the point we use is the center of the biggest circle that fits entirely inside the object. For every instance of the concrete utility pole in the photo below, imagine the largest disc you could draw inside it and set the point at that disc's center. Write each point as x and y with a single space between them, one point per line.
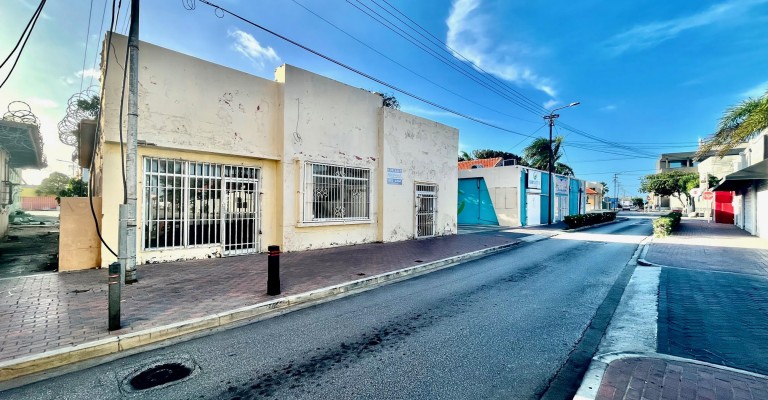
616 188
127 245
551 118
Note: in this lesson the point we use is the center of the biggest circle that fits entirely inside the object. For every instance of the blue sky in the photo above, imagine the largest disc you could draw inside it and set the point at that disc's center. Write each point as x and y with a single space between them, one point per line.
652 76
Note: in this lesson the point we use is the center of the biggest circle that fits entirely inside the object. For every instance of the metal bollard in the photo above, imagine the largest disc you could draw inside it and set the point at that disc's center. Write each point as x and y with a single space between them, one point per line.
113 283
273 270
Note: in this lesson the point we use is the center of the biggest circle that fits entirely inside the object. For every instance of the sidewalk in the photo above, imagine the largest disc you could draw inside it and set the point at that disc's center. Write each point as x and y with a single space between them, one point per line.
712 330
48 312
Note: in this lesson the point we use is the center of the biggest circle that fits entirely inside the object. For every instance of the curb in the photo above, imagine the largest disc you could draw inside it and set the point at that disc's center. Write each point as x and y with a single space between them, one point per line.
35 363
593 378
581 228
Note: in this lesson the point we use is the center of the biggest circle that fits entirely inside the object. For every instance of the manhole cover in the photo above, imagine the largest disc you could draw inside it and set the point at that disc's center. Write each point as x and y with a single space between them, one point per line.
159 375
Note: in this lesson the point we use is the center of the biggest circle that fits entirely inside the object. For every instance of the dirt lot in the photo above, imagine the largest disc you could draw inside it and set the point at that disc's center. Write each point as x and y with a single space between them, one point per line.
32 247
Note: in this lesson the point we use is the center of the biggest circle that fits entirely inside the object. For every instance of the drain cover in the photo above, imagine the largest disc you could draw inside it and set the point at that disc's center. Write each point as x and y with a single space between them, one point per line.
159 375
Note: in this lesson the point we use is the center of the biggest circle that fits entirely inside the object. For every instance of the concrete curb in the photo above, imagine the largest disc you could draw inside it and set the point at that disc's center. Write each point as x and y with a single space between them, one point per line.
581 228
35 363
594 376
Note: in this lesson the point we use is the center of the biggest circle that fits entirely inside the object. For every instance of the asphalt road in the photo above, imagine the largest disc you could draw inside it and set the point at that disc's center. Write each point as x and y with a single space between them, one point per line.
499 327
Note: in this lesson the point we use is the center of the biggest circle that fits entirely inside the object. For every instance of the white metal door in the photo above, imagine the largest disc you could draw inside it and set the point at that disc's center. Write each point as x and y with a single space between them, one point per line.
762 210
240 209
426 210
561 208
749 210
533 209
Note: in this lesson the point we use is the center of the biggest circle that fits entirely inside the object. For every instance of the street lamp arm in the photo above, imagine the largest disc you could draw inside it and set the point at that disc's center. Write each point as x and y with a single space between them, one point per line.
575 103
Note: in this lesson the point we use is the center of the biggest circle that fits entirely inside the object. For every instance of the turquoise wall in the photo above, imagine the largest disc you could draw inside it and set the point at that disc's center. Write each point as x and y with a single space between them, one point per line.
573 199
545 210
475 206
523 199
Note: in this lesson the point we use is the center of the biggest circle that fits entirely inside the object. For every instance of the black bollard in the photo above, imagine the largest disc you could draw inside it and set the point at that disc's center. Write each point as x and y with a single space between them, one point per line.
273 270
113 284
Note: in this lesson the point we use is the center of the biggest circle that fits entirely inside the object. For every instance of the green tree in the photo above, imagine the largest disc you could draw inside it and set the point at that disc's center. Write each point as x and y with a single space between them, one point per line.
76 187
488 153
53 184
674 183
605 187
89 106
738 123
536 155
638 201
464 156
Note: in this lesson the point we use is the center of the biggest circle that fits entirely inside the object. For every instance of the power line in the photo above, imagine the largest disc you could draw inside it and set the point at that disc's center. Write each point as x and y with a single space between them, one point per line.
87 39
471 74
25 35
361 73
405 67
101 33
455 52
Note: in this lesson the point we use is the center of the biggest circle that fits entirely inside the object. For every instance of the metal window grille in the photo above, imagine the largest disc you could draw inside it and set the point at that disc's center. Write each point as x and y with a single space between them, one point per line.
188 203
204 201
241 191
426 210
164 203
336 193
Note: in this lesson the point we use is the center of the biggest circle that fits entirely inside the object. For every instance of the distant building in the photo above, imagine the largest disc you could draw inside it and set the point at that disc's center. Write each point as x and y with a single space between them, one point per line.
21 147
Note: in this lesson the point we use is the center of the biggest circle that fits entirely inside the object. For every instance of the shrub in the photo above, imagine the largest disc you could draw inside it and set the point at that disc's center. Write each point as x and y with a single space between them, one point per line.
579 220
664 225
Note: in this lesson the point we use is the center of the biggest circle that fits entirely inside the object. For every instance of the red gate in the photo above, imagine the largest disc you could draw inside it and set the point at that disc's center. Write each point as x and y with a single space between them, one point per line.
724 207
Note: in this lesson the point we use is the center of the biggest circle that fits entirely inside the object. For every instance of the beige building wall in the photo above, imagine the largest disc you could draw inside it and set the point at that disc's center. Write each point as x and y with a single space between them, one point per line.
327 122
79 245
504 187
189 104
425 151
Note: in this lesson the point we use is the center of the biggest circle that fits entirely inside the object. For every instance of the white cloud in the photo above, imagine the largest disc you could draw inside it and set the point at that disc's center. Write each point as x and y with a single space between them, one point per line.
89 73
550 103
609 107
757 91
651 34
467 35
248 46
42 103
423 112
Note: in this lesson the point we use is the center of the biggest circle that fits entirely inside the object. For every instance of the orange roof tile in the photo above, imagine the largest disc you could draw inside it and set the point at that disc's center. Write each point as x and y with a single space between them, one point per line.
482 163
591 191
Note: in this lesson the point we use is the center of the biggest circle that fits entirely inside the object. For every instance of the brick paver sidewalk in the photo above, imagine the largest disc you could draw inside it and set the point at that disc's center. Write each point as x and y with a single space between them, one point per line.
702 245
40 313
653 378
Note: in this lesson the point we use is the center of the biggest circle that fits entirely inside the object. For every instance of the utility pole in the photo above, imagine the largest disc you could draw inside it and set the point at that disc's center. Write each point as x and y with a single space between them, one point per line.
616 188
551 118
127 237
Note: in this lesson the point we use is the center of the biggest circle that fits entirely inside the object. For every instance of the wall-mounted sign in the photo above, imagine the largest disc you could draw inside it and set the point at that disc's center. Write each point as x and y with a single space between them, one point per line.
534 179
394 176
708 195
561 185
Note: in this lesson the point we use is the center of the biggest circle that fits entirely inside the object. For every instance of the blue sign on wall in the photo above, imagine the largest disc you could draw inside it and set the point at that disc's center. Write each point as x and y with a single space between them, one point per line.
394 176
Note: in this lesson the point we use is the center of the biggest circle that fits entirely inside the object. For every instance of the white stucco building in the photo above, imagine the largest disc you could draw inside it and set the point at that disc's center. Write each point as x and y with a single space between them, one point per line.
230 163
749 182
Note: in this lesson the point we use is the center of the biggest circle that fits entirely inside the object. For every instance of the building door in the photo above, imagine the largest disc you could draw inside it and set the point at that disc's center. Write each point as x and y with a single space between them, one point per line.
240 209
426 210
532 209
561 208
761 207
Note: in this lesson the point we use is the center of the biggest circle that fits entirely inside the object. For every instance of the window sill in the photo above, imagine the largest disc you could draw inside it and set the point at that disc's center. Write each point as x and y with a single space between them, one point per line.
303 224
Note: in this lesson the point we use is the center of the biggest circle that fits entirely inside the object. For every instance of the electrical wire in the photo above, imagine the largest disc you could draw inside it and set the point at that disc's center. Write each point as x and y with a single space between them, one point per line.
361 73
23 33
96 140
28 32
405 67
101 33
87 40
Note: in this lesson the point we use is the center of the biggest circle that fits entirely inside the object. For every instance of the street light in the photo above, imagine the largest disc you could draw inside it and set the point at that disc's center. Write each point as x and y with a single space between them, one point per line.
552 117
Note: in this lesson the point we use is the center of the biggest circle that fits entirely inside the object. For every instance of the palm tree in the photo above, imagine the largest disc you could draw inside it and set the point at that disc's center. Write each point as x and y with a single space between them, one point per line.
464 156
739 123
537 155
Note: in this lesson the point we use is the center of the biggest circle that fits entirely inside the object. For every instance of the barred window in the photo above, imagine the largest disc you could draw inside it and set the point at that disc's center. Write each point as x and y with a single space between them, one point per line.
336 193
163 202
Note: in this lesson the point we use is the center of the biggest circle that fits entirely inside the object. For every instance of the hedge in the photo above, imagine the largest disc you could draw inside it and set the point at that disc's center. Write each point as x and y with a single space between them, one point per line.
664 225
579 220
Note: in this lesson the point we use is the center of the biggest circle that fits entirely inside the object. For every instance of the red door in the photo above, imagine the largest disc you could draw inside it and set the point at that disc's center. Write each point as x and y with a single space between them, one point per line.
724 207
